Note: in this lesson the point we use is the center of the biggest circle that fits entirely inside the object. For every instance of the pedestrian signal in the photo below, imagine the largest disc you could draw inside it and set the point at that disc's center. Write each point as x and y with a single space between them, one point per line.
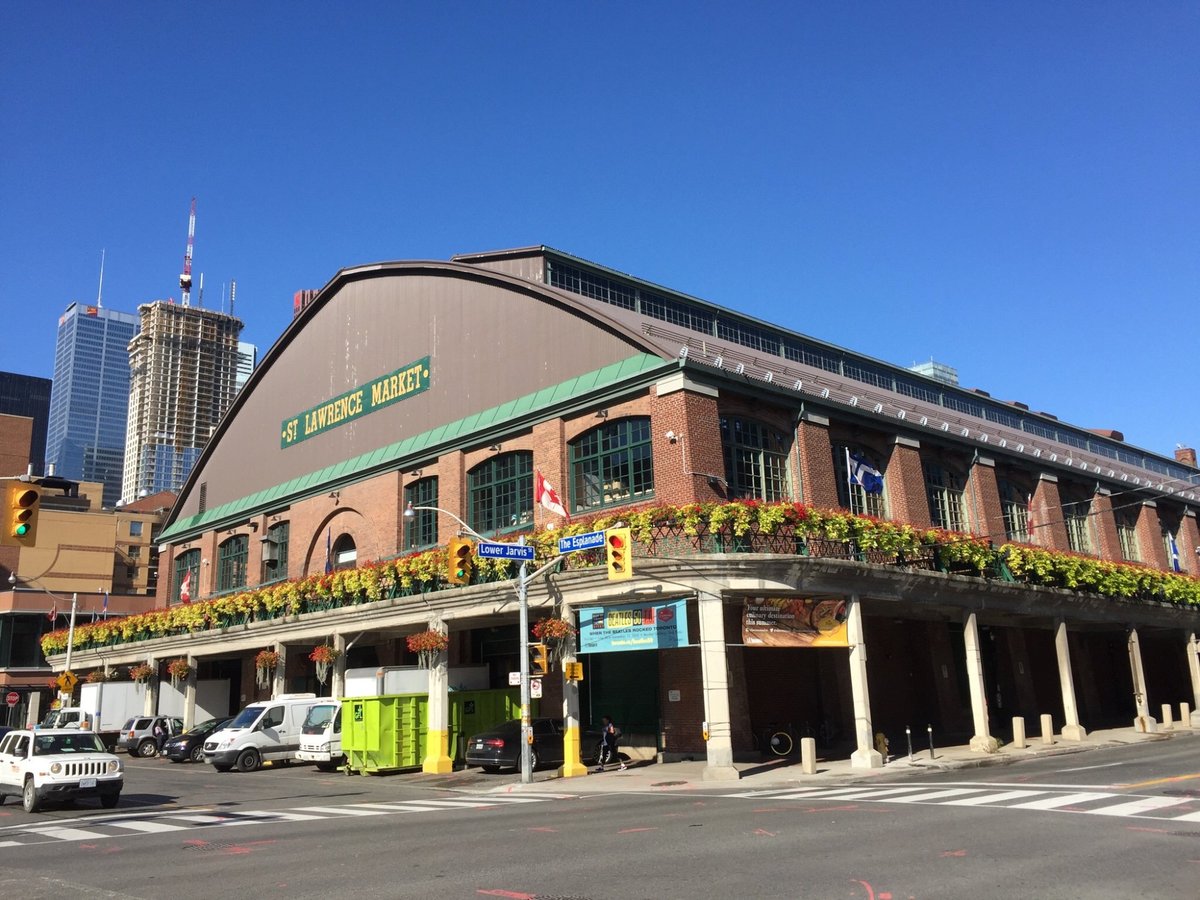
21 503
618 545
461 560
539 660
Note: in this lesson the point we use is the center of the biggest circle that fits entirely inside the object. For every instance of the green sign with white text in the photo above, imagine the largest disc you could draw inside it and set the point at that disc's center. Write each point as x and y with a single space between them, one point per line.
376 394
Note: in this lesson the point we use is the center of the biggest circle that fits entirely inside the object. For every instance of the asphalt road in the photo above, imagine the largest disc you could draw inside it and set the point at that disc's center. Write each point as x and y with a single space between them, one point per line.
1118 823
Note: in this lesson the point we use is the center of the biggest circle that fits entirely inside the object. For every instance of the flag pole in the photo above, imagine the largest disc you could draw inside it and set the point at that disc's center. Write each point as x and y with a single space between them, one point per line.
849 480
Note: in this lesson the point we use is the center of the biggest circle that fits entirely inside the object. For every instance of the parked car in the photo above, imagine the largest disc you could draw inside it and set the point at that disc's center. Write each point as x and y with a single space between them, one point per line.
190 744
58 765
500 748
137 735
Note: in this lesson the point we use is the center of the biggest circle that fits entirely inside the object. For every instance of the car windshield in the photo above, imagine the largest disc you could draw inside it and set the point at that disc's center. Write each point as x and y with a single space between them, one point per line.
318 719
246 717
83 742
204 727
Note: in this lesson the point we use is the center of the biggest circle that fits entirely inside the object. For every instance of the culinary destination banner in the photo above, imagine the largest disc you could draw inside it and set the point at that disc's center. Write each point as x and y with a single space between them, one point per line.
794 622
653 625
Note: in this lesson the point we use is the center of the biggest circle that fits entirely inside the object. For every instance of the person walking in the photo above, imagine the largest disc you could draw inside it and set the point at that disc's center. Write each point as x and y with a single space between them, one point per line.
610 736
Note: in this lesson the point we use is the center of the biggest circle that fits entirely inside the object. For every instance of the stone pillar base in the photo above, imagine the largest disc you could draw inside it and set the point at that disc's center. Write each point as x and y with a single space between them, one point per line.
1145 725
1195 717
866 759
1074 733
985 743
721 773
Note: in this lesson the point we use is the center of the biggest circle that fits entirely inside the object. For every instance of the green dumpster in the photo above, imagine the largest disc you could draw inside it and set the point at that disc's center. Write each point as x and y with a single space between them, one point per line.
387 733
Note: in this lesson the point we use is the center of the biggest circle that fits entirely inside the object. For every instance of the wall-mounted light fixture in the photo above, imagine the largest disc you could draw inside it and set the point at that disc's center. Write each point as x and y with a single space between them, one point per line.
415 473
335 496
602 414
254 526
495 448
671 436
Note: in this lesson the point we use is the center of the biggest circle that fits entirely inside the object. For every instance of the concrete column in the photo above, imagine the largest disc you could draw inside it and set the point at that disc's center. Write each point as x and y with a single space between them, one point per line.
865 756
1193 651
716 689
1072 730
437 737
150 707
189 695
337 687
1143 721
979 714
279 685
572 746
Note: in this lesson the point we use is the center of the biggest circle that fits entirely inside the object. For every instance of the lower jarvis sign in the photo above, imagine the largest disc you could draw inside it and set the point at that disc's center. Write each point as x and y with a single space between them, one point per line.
376 394
651 625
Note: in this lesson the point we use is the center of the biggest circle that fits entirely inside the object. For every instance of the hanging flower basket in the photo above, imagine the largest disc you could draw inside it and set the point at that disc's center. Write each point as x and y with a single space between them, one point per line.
427 645
141 673
324 656
96 676
265 664
554 633
179 670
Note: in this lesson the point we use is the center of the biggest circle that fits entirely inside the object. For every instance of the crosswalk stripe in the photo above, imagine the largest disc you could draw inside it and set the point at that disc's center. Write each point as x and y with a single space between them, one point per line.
874 793
66 834
1061 800
1001 797
148 827
1136 807
340 810
446 804
934 795
1187 817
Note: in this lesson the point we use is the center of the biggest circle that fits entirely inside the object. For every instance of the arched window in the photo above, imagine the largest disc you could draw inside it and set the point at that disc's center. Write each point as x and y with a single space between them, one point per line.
187 568
231 559
275 553
858 489
1014 504
500 493
756 458
944 488
345 553
612 464
422 529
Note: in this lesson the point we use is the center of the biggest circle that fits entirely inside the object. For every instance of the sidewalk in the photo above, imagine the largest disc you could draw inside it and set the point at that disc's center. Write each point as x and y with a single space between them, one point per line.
689 775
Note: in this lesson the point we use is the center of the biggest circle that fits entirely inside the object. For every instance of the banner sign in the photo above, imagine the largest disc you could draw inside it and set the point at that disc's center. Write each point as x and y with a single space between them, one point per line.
653 625
794 622
376 394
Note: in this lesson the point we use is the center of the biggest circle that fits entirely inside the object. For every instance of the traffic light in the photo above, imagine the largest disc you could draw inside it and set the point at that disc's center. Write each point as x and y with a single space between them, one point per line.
21 502
461 559
539 660
618 547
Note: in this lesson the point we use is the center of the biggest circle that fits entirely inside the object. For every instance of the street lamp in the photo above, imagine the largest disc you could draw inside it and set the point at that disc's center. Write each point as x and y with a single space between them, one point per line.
12 580
526 724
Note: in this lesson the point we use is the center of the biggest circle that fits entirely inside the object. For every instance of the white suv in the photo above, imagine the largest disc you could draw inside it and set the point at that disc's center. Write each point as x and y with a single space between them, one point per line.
58 764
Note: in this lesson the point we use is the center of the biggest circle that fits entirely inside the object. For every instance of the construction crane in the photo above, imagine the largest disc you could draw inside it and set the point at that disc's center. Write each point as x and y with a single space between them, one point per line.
185 279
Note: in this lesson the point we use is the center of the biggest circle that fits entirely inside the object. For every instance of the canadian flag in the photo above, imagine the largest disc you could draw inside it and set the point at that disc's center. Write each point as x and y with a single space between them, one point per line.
185 589
543 491
53 614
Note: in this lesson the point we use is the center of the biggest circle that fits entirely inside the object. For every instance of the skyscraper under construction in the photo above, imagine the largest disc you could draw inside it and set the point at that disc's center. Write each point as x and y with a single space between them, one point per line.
183 377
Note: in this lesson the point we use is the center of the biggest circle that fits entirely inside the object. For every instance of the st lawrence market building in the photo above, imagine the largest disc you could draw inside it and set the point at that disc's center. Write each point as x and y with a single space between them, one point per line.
821 543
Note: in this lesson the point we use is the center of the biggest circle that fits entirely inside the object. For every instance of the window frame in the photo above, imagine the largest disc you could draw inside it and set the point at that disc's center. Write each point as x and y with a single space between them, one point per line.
187 561
945 490
421 531
619 470
766 470
233 557
484 514
853 496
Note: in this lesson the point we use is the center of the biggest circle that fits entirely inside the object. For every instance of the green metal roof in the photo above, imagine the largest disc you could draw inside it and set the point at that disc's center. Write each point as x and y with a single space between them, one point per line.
540 404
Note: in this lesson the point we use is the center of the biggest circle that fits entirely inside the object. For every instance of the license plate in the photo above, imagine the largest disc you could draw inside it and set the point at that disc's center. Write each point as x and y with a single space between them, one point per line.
479 745
87 782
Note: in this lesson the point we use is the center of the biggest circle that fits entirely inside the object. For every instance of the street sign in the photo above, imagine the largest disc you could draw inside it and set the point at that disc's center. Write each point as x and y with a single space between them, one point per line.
589 541
488 550
514 677
535 688
12 698
67 681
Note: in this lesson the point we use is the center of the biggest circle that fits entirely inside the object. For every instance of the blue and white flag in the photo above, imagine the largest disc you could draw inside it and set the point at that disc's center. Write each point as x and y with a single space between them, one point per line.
1174 552
328 550
864 474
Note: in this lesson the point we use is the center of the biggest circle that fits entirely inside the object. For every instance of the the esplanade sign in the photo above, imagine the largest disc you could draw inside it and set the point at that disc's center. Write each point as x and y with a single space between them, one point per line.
382 391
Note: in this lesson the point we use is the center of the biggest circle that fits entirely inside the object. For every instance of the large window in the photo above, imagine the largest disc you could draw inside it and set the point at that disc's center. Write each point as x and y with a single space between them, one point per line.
422 529
232 556
187 569
500 493
1014 504
851 494
944 489
612 464
755 460
1127 533
1077 517
275 553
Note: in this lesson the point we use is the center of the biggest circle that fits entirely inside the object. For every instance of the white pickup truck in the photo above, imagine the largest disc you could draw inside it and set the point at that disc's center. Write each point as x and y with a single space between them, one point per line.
58 764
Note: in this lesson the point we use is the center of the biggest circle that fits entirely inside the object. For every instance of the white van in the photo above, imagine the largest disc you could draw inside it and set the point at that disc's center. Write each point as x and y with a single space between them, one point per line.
267 730
321 736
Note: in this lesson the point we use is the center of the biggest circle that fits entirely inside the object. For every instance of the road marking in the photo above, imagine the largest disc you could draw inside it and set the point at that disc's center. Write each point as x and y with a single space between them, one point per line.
149 827
1190 817
1089 768
66 834
1154 781
1001 797
933 795
340 810
1063 800
194 818
1139 806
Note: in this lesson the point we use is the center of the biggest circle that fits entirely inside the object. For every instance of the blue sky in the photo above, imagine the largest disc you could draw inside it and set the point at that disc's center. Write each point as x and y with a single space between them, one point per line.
1009 188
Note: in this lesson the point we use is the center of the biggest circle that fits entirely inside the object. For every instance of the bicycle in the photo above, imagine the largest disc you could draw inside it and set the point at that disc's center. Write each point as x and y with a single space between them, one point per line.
775 740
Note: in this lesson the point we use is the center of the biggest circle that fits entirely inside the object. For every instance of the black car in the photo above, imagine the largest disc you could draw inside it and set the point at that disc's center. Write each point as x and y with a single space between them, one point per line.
190 744
500 748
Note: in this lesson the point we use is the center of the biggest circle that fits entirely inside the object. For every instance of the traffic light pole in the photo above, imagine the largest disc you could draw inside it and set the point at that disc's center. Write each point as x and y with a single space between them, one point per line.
526 721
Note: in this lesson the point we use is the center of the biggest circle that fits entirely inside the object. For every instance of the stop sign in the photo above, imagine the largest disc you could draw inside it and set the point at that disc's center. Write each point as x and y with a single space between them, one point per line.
12 698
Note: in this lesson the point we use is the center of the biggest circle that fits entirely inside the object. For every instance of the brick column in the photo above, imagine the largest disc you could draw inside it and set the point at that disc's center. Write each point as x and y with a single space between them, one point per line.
1045 508
907 500
1151 548
986 518
682 466
818 475
1188 542
550 457
1104 523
